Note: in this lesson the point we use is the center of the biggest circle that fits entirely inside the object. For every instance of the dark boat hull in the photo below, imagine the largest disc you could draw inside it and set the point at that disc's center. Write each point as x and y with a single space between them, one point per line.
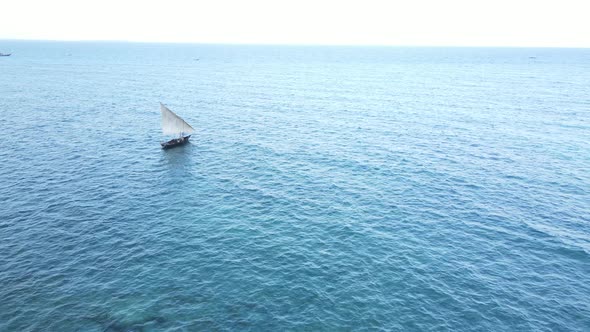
175 142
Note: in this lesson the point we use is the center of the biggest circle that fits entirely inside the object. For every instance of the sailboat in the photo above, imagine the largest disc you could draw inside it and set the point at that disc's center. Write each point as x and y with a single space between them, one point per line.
172 124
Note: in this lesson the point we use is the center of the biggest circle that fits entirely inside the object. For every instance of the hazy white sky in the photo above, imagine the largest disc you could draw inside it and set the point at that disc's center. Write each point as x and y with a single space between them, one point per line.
373 22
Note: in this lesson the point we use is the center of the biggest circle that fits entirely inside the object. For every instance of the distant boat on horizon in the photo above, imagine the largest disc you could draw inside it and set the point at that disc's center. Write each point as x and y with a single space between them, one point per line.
5 54
173 124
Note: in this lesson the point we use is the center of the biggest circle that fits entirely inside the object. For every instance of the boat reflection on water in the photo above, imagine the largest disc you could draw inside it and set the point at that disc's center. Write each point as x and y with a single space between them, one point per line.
179 158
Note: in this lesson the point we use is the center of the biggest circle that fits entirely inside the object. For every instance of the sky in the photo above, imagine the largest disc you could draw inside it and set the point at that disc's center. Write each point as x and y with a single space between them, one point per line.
560 23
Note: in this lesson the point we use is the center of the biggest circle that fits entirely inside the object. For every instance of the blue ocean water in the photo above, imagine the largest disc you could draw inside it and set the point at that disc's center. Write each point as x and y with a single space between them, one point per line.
326 188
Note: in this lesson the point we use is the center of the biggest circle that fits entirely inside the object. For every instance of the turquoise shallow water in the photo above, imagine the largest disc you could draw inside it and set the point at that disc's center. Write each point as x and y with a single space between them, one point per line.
326 188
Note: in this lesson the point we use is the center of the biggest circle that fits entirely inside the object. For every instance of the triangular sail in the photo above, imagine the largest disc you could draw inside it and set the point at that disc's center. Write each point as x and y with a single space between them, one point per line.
172 124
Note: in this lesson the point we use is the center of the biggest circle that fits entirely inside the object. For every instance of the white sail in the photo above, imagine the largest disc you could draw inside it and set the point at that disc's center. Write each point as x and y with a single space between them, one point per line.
172 124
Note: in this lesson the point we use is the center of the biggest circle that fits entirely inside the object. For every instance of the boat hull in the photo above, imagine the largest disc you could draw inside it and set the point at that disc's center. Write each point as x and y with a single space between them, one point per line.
175 142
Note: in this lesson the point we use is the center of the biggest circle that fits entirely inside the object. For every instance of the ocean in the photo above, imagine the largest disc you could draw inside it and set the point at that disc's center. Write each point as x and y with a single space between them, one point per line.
325 188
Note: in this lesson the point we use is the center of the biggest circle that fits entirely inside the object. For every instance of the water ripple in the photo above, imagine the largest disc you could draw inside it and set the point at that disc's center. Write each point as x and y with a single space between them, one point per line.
325 189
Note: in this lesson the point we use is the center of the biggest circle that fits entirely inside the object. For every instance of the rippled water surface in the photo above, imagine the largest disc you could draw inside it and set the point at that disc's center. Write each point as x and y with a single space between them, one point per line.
326 188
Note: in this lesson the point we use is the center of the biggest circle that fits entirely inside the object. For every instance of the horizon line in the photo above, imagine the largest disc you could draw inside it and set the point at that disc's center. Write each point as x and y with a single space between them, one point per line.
279 44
